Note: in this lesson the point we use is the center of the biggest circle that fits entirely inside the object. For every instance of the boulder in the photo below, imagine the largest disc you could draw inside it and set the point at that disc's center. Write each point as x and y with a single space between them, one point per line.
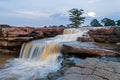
106 35
82 50
94 69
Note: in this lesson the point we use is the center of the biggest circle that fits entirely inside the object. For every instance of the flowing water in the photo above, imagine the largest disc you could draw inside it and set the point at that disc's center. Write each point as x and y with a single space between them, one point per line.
38 58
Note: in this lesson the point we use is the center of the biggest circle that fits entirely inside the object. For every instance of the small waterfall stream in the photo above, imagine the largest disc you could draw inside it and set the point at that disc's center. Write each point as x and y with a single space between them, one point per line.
39 57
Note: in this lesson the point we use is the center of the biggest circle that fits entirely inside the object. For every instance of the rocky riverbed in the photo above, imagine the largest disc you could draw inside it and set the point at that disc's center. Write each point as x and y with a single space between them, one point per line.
93 69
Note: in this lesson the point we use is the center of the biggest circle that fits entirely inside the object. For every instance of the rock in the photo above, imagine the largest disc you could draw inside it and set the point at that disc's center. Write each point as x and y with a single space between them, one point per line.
51 32
118 44
106 35
22 39
42 79
13 37
65 65
36 34
85 39
93 69
8 44
7 52
73 49
31 32
17 31
54 76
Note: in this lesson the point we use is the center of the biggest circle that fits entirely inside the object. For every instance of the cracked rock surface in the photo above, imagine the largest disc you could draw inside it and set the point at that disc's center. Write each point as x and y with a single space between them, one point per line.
94 69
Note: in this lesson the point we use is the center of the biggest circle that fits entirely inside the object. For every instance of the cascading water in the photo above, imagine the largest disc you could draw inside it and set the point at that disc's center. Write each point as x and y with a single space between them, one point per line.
38 58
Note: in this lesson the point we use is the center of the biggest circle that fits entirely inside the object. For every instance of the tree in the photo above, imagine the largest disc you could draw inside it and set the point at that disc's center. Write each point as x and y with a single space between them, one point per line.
45 26
76 17
61 26
108 22
118 22
95 23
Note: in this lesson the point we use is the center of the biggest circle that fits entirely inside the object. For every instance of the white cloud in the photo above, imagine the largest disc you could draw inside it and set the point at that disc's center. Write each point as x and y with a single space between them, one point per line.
93 1
91 14
33 14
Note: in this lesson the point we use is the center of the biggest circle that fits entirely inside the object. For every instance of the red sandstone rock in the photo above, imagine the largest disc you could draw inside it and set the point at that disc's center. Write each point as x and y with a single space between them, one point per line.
7 51
14 37
84 39
51 32
107 35
87 51
17 31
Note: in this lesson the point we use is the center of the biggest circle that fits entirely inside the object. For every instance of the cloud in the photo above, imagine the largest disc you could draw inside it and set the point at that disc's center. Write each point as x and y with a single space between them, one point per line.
93 1
33 14
91 14
53 11
26 14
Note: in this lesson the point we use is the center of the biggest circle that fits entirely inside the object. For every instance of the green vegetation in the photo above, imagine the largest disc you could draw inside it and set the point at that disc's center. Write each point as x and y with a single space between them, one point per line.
95 23
118 22
76 17
108 22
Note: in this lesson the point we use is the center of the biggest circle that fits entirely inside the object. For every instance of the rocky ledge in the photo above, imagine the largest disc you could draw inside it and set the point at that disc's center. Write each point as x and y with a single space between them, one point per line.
12 38
94 69
89 49
106 35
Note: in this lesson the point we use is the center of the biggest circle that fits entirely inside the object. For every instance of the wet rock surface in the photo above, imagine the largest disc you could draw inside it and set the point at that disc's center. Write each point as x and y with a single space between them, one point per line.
89 49
94 69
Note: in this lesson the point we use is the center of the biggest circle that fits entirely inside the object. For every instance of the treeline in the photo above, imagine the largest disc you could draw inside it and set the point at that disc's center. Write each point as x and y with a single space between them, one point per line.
76 17
55 26
104 22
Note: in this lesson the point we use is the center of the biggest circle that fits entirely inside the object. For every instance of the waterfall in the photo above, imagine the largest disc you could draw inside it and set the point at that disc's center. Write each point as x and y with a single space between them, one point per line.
43 49
39 57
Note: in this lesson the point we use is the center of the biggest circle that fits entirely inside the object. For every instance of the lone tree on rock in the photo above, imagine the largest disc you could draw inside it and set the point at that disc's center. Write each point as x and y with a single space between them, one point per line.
76 17
95 23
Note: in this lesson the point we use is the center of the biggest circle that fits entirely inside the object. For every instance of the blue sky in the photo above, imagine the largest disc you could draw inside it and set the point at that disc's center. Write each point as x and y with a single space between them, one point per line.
38 13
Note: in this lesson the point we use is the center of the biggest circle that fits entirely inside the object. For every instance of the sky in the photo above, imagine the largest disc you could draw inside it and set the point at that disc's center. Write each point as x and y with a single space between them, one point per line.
38 13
